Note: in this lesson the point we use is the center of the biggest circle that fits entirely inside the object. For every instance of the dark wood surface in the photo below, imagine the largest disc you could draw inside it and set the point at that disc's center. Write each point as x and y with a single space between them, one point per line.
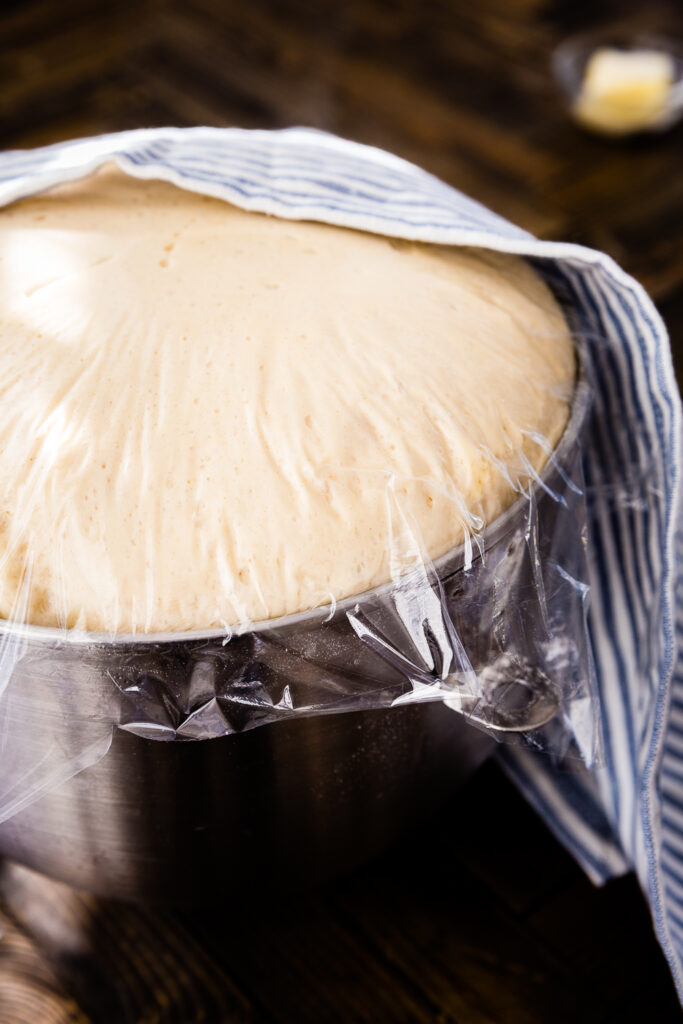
481 918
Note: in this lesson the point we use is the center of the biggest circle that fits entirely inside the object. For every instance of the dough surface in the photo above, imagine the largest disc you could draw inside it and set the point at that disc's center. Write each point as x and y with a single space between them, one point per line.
210 417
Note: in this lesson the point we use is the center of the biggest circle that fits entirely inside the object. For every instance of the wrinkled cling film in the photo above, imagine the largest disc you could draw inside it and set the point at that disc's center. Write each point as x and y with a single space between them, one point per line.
496 629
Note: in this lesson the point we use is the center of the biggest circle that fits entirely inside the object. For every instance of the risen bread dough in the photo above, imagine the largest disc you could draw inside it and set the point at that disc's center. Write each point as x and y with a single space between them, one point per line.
209 416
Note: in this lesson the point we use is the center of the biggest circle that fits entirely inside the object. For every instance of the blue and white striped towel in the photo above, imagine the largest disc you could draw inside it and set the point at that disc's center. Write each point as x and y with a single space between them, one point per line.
630 812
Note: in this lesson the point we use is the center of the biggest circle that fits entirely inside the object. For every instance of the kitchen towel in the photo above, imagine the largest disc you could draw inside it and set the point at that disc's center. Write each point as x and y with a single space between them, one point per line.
628 813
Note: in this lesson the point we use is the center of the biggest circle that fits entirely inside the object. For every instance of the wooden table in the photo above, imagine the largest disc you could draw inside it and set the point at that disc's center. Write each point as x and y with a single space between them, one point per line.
482 917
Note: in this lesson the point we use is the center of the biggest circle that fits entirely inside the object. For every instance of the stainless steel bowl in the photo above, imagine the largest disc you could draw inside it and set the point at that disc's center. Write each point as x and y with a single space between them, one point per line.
336 774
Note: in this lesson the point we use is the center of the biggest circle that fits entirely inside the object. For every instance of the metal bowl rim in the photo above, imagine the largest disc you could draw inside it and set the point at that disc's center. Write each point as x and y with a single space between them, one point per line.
445 566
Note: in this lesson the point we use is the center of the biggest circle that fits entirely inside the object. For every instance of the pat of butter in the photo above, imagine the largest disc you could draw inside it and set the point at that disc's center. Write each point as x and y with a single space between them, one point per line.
625 90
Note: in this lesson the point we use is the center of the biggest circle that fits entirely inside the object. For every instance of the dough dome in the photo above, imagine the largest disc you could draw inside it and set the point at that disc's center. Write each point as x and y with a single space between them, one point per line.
210 417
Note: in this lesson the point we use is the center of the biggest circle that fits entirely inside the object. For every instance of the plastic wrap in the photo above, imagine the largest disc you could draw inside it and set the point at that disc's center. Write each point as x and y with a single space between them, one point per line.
493 624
